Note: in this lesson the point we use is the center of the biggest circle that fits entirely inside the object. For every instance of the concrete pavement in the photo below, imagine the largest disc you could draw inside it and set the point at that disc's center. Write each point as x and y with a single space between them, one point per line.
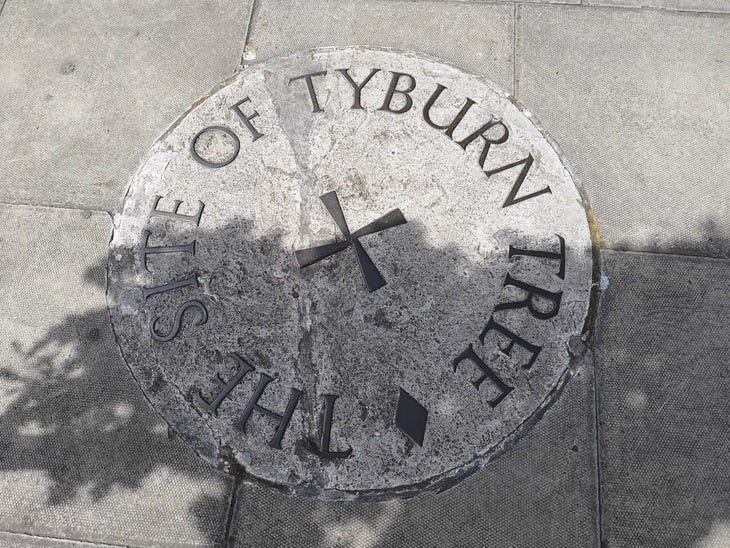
635 451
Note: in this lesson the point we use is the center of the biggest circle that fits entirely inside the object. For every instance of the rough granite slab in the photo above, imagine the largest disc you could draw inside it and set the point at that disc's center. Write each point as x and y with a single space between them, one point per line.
82 456
87 87
663 379
638 102
316 328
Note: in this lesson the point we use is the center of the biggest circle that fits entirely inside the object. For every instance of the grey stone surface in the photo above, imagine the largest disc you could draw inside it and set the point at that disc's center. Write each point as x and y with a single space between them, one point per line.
88 86
318 329
718 6
576 2
82 456
663 379
475 36
638 102
542 493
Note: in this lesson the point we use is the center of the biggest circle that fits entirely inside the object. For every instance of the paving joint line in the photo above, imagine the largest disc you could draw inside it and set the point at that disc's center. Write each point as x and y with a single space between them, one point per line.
251 17
57 206
582 4
597 454
61 539
666 254
231 512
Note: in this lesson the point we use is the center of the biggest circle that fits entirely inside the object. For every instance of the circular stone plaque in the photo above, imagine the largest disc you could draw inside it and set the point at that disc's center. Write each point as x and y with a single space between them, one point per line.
351 273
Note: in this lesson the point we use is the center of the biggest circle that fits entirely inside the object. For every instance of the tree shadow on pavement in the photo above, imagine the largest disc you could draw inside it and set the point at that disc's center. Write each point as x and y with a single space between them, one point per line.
110 469
76 415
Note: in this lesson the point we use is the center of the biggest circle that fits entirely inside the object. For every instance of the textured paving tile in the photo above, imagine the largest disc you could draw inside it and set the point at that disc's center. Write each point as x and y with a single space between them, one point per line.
82 455
721 6
542 493
475 36
87 86
638 101
663 381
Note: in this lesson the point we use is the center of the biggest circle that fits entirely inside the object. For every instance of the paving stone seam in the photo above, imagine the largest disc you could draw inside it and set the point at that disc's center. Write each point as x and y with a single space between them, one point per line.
667 254
667 9
59 539
613 7
597 457
230 516
598 4
54 206
584 4
252 14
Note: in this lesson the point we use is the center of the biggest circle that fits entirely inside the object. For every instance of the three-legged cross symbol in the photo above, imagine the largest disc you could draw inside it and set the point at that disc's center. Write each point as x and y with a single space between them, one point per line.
373 278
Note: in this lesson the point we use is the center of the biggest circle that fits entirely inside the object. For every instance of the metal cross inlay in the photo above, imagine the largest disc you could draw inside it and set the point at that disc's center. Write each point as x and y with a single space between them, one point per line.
373 278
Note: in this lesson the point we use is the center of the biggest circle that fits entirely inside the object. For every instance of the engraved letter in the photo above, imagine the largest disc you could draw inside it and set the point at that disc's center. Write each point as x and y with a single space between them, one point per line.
529 302
225 387
357 88
560 256
206 163
149 291
200 307
504 389
512 197
247 119
487 141
282 420
393 89
507 350
324 448
455 122
187 248
195 219
310 88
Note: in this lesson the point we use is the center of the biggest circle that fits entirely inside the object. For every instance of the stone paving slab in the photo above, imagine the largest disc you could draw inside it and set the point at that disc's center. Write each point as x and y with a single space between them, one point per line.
82 455
663 380
474 36
87 87
638 102
541 493
720 6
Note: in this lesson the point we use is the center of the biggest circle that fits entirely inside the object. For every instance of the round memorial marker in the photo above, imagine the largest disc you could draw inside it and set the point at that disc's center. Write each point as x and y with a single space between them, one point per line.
351 273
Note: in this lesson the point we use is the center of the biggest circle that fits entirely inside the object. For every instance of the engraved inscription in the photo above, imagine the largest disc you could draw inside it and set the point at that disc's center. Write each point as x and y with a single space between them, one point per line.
213 135
282 420
324 449
211 406
151 250
534 296
487 373
243 327
194 218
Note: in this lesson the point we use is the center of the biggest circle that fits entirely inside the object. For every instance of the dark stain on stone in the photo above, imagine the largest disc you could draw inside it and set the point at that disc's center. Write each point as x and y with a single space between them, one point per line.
380 319
156 385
